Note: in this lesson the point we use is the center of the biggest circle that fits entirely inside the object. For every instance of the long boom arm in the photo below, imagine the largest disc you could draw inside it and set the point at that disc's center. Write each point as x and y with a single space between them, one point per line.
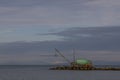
62 55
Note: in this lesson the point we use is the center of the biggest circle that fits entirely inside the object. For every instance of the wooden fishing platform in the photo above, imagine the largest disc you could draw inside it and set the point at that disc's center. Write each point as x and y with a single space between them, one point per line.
90 66
84 68
81 64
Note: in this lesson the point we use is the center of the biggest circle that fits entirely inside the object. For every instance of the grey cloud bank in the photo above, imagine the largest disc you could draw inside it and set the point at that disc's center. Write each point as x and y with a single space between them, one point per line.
60 12
96 43
91 38
89 26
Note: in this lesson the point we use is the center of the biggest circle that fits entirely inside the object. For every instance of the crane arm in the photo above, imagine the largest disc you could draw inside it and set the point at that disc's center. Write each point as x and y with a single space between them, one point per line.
62 55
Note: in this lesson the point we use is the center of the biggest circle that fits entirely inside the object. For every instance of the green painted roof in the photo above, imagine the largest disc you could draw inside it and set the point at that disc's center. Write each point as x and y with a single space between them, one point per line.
83 61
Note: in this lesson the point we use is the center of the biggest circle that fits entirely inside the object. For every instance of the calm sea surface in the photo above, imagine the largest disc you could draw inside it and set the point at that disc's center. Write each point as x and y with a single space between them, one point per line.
43 73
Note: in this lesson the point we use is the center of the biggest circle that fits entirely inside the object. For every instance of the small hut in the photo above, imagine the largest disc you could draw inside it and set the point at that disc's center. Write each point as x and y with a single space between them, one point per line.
84 63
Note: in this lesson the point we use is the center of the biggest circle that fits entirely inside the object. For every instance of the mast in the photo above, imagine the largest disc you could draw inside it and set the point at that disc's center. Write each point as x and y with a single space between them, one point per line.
74 55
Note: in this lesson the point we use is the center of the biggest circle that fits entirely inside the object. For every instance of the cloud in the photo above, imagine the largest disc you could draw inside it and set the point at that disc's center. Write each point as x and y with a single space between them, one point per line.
67 24
60 12
97 32
97 44
21 33
91 38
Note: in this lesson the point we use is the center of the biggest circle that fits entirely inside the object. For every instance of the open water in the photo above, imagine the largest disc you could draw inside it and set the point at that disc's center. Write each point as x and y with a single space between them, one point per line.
43 73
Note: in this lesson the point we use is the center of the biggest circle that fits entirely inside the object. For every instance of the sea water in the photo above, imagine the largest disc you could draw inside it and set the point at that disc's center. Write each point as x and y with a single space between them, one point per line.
43 73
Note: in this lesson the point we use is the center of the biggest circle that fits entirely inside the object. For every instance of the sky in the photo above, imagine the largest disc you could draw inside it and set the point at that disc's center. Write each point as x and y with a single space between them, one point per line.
31 29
